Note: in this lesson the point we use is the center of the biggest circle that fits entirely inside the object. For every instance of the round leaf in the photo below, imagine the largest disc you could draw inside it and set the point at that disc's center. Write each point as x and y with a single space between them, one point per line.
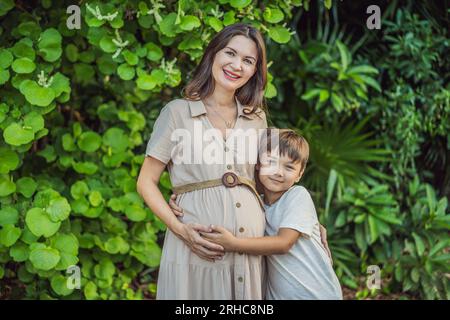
125 72
279 34
40 223
8 160
189 22
44 258
8 215
9 234
23 65
17 135
50 45
26 186
6 186
89 141
58 209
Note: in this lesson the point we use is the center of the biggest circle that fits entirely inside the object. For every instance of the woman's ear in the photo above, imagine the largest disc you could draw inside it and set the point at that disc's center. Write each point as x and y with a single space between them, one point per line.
257 167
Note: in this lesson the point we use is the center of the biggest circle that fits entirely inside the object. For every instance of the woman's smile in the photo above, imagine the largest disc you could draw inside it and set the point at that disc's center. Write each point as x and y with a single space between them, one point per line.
230 75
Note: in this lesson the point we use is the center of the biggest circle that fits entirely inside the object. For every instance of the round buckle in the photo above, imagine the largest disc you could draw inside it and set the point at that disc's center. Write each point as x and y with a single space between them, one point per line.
230 179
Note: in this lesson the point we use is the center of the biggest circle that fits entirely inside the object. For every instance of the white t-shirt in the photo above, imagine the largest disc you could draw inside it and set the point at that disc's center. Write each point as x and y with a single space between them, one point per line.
305 272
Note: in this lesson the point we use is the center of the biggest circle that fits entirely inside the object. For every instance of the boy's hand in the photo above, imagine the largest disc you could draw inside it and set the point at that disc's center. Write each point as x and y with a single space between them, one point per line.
323 238
222 237
178 211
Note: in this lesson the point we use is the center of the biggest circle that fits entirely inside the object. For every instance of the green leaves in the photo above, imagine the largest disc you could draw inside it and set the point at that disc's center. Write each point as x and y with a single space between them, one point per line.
279 34
8 160
6 186
43 257
116 139
146 82
240 4
50 45
23 65
58 209
16 134
89 141
5 6
189 23
9 234
154 52
273 14
8 215
37 95
40 223
125 72
135 213
6 58
59 284
26 186
72 118
167 25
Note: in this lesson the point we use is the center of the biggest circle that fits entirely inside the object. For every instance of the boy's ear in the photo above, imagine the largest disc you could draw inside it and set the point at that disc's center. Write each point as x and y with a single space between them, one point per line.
300 175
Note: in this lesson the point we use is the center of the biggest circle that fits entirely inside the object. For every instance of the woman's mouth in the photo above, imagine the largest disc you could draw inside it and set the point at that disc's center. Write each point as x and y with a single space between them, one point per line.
230 76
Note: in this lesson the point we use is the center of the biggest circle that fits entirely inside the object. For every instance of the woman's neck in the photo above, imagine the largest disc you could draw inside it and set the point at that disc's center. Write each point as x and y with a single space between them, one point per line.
221 98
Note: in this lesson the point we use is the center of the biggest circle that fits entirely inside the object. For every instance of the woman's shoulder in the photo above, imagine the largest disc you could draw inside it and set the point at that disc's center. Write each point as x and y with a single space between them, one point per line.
176 103
176 108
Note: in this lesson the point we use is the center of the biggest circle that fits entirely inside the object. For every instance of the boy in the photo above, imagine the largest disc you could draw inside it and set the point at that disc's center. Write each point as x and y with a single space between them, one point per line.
297 262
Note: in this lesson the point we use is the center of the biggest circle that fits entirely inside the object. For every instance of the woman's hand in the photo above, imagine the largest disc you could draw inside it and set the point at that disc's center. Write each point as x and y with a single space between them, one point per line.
323 238
190 234
178 211
222 237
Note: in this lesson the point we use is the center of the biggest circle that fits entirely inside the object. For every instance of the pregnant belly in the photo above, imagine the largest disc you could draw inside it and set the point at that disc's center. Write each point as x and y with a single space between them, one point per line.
237 209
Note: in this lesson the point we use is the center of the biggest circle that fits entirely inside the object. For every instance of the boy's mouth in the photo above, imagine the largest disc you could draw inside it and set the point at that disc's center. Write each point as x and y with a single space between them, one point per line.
275 180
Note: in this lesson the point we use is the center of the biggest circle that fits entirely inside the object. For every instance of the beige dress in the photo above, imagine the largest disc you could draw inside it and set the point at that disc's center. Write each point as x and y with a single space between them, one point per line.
182 274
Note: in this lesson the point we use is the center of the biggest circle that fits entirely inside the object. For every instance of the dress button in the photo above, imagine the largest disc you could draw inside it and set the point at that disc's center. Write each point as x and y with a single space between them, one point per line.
241 229
226 149
229 167
238 205
240 279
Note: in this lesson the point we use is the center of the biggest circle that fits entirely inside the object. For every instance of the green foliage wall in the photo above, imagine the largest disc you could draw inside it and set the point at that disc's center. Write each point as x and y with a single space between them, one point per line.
76 109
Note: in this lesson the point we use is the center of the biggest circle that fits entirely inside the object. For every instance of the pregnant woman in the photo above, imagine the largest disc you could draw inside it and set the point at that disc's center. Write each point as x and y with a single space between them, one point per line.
224 94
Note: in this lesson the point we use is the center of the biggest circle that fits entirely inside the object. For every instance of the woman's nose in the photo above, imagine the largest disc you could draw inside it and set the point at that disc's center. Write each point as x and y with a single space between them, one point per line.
237 65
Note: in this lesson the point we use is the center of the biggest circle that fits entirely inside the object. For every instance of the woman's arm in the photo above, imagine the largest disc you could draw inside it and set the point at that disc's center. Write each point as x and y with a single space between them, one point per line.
279 244
147 187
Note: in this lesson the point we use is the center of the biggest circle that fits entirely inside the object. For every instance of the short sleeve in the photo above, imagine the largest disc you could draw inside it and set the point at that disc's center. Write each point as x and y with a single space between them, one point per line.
160 144
300 213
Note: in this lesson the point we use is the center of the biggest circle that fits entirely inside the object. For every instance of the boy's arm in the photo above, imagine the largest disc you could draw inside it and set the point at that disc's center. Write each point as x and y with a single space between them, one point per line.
279 244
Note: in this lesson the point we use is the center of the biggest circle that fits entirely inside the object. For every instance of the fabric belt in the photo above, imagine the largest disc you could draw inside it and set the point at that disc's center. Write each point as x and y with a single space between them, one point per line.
229 180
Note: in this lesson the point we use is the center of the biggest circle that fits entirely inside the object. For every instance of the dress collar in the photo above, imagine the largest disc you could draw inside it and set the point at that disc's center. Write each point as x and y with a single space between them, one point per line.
197 108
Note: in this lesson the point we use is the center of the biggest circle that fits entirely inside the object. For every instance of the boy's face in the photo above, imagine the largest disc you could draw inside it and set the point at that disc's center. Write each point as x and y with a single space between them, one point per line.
278 174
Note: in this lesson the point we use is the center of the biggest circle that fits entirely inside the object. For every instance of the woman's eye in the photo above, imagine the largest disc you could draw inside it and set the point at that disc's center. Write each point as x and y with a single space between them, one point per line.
248 61
230 53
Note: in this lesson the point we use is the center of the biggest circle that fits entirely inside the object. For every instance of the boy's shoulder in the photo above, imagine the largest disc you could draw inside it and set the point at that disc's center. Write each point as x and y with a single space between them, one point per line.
296 191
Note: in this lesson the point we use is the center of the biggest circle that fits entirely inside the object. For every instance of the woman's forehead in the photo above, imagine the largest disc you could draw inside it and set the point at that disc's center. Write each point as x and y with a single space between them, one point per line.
243 46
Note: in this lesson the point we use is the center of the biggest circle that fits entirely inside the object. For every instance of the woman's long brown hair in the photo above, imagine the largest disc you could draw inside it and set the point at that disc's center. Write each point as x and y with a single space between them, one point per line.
202 83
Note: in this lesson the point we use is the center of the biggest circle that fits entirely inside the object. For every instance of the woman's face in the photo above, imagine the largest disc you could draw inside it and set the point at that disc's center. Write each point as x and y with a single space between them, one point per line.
235 64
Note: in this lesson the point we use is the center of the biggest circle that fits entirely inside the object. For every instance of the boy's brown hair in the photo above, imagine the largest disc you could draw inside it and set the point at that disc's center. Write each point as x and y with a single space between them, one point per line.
290 143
